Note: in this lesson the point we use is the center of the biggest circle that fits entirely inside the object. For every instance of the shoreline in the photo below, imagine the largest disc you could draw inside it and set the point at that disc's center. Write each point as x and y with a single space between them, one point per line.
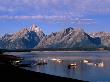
12 73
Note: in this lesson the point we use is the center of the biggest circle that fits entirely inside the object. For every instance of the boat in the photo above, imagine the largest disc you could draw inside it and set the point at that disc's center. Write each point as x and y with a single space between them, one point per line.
72 65
41 62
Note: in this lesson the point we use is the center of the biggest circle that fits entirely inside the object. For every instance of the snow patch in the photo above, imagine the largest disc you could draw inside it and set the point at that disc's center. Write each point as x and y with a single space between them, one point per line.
35 28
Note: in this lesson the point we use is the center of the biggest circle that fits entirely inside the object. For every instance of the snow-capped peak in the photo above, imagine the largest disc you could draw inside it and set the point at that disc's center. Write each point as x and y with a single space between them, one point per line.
35 28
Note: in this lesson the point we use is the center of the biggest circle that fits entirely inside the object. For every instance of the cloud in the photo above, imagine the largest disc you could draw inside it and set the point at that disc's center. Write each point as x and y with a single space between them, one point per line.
51 19
21 17
71 8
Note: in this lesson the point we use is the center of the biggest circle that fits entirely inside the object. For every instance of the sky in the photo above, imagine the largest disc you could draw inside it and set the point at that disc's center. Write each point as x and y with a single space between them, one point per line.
54 15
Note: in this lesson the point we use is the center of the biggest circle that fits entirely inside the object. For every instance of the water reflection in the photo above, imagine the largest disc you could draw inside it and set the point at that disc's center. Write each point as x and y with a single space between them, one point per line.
41 62
95 63
88 68
57 60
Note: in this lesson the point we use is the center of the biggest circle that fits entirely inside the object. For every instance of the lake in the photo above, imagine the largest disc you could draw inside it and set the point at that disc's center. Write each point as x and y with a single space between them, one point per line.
93 66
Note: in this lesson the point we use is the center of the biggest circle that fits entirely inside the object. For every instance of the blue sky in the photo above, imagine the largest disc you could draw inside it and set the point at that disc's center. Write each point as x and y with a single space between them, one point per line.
54 15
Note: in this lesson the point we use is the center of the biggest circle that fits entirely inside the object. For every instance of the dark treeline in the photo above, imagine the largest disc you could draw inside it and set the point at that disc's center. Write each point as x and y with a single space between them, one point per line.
64 49
71 49
56 49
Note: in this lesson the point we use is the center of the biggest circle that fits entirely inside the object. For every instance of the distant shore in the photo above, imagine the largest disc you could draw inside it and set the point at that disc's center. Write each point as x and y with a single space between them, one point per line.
71 51
55 49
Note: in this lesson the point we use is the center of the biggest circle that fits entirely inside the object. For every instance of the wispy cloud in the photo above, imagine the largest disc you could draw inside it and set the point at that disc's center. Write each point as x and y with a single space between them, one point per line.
22 17
39 9
50 19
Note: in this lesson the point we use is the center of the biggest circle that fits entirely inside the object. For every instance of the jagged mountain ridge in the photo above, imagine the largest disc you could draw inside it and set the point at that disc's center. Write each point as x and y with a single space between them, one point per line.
69 38
104 37
34 37
99 34
24 39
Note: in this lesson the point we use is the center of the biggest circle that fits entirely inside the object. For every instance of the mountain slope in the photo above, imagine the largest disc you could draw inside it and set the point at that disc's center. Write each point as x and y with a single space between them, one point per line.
69 38
104 36
24 39
34 37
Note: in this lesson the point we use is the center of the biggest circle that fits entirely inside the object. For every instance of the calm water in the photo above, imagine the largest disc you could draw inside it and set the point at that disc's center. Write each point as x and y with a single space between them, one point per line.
89 66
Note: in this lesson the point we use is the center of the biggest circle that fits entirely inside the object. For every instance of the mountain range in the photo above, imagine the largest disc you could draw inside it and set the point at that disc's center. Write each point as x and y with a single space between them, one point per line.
24 39
34 37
